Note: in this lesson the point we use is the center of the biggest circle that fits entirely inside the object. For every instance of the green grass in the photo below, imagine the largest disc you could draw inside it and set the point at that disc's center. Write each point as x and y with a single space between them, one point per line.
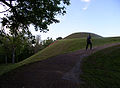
102 69
60 47
82 35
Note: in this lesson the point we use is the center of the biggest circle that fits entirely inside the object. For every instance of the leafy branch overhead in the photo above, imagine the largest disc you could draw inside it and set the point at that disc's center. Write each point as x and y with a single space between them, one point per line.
39 13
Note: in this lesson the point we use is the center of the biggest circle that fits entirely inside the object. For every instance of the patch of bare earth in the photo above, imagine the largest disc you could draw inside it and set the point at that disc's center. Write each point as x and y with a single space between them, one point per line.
61 71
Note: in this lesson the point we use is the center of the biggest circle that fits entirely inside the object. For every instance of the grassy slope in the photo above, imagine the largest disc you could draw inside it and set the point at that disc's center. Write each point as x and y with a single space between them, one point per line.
81 35
60 47
102 69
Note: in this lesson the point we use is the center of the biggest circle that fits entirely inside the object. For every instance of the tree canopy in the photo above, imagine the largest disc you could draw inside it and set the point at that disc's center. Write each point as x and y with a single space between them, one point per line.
39 13
20 14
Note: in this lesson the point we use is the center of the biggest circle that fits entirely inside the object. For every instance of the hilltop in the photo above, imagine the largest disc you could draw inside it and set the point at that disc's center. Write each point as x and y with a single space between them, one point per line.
82 35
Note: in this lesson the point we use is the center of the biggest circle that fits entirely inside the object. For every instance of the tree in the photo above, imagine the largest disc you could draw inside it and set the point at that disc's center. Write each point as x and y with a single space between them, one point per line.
23 48
38 39
22 13
59 38
39 13
4 50
47 42
38 44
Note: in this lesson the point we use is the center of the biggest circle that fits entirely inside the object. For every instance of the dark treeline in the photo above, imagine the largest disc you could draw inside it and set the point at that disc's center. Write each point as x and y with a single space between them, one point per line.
16 49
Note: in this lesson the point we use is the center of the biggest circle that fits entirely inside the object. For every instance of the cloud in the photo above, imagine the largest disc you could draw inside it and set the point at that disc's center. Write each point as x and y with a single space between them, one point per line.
87 2
85 8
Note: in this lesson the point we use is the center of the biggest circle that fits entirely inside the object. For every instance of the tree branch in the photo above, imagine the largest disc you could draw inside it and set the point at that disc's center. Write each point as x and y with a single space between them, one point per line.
2 4
9 5
5 11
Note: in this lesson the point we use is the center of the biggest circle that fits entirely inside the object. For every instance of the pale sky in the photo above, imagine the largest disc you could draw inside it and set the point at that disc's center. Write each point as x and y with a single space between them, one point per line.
97 16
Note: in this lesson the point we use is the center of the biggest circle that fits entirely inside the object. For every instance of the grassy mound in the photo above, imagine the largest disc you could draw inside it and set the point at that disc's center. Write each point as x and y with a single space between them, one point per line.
59 47
102 69
82 35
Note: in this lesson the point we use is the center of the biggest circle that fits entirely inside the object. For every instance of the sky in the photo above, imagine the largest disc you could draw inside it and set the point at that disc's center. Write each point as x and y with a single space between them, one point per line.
97 16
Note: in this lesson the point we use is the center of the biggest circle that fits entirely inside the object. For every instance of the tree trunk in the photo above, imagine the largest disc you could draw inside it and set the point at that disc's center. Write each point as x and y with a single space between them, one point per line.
13 56
6 59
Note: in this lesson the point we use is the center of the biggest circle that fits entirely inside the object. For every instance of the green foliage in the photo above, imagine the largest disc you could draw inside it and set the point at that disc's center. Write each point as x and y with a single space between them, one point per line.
59 38
101 70
39 45
39 13
47 42
22 46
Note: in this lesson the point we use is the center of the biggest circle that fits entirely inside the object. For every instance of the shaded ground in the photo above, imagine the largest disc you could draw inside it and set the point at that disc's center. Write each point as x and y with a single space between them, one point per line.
61 71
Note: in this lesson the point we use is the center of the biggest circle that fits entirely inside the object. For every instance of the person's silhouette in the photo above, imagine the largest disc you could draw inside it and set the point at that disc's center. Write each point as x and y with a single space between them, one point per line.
89 42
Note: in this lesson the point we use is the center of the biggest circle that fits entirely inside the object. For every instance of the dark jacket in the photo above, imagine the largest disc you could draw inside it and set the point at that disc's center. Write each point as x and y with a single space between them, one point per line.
89 39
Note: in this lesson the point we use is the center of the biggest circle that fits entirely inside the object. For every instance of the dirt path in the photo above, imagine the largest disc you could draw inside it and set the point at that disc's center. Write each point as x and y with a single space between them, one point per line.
61 71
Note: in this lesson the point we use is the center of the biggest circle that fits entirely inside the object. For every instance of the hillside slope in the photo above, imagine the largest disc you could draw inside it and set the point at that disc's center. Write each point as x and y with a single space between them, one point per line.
59 47
82 35
66 46
48 73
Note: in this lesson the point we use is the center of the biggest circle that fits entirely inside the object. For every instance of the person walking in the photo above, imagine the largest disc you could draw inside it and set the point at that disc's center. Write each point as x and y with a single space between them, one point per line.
89 42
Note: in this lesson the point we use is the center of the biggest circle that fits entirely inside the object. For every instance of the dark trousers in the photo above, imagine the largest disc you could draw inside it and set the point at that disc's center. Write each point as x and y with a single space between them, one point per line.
88 43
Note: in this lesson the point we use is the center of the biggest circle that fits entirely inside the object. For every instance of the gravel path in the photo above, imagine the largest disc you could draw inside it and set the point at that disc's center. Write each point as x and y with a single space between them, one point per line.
61 71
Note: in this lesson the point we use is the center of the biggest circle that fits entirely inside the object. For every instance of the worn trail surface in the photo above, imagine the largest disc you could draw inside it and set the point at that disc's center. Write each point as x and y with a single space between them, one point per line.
61 71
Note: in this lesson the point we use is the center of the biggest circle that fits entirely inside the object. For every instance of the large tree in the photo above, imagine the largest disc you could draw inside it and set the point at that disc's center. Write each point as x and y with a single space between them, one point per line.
39 13
21 13
15 48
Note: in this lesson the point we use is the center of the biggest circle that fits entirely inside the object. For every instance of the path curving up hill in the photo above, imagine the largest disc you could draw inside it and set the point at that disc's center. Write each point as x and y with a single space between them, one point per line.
61 71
